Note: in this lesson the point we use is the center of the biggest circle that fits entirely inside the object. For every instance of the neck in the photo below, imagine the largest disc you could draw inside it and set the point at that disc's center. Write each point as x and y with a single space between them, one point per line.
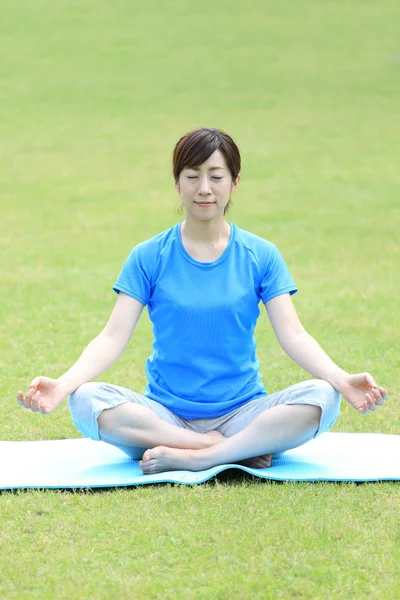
206 232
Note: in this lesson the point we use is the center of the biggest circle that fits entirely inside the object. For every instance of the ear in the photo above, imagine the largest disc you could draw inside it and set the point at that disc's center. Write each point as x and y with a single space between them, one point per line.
177 185
235 183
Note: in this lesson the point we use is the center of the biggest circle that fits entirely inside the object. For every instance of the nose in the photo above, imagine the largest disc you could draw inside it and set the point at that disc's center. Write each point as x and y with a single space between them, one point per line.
204 188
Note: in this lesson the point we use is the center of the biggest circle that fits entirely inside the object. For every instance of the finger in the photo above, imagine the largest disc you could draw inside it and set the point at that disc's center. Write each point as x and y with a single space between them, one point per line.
35 402
384 393
371 403
365 406
370 380
35 383
20 398
378 397
28 398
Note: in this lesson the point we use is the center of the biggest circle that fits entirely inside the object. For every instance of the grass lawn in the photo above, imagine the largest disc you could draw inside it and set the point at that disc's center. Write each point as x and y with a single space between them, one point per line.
94 96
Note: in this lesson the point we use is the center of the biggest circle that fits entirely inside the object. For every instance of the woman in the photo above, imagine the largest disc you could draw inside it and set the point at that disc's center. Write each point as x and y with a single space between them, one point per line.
202 280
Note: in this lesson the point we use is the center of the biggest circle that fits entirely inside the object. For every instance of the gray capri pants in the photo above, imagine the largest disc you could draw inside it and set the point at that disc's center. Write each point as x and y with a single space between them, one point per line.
90 399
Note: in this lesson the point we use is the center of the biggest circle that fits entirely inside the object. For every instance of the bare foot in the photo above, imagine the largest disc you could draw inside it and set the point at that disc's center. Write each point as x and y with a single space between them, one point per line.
162 458
258 462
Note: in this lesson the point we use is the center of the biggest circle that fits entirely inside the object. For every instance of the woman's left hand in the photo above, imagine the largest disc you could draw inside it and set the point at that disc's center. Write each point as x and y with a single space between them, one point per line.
362 392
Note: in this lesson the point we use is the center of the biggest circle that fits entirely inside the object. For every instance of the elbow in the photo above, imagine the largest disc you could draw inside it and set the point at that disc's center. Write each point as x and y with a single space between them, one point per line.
114 339
293 338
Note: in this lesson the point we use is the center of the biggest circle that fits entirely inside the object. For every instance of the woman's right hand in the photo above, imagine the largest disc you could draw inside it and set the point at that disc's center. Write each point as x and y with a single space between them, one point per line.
44 395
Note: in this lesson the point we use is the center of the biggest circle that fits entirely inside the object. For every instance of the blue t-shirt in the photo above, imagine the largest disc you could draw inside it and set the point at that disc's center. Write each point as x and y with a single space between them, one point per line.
203 362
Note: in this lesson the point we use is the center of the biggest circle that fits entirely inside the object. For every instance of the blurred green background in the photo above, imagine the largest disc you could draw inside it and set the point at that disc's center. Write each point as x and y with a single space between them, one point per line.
94 96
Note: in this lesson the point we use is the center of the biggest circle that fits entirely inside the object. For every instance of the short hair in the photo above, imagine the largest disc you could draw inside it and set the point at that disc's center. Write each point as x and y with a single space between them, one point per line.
194 148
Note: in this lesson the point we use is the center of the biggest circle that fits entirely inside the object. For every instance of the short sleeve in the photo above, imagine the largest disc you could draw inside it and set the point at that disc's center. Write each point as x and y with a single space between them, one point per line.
134 278
277 279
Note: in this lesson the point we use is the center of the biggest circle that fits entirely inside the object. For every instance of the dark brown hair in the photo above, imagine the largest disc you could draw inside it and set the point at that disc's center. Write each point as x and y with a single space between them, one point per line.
194 148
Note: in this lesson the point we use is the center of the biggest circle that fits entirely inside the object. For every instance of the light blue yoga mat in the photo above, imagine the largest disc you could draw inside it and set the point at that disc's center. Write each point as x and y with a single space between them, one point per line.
84 463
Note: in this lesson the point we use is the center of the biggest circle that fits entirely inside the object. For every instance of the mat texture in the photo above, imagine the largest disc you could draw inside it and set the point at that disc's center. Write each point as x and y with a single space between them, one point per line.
84 463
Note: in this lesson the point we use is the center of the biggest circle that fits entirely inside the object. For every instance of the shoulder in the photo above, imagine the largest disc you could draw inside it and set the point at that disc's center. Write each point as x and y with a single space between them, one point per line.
262 249
149 250
145 255
157 242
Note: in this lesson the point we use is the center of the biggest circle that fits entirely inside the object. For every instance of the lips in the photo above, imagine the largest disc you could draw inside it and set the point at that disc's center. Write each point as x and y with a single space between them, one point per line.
206 203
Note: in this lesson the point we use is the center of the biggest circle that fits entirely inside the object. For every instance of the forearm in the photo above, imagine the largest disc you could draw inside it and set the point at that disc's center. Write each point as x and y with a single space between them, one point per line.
304 350
97 357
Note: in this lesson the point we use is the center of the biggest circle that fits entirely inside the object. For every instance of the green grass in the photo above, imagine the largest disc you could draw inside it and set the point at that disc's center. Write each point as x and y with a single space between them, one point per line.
94 96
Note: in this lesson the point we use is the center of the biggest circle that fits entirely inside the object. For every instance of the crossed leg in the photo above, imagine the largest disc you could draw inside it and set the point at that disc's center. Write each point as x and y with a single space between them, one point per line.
136 426
275 430
163 446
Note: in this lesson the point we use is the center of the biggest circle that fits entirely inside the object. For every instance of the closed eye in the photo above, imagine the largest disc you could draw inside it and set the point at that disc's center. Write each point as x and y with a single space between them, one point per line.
195 177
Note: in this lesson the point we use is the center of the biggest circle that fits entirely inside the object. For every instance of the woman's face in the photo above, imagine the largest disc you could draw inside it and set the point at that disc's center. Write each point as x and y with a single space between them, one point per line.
206 190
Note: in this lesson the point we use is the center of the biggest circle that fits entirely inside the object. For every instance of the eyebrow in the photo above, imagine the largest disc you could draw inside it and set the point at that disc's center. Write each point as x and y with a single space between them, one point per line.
210 169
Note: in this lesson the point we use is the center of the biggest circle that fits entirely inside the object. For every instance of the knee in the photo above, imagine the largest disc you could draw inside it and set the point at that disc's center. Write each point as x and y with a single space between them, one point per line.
330 398
84 391
328 392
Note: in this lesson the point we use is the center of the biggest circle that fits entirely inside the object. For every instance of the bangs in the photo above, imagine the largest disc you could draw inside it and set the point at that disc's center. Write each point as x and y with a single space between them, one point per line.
199 149
194 148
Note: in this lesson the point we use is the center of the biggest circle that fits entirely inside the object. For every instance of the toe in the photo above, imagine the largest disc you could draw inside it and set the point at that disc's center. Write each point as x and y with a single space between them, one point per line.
145 467
146 455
